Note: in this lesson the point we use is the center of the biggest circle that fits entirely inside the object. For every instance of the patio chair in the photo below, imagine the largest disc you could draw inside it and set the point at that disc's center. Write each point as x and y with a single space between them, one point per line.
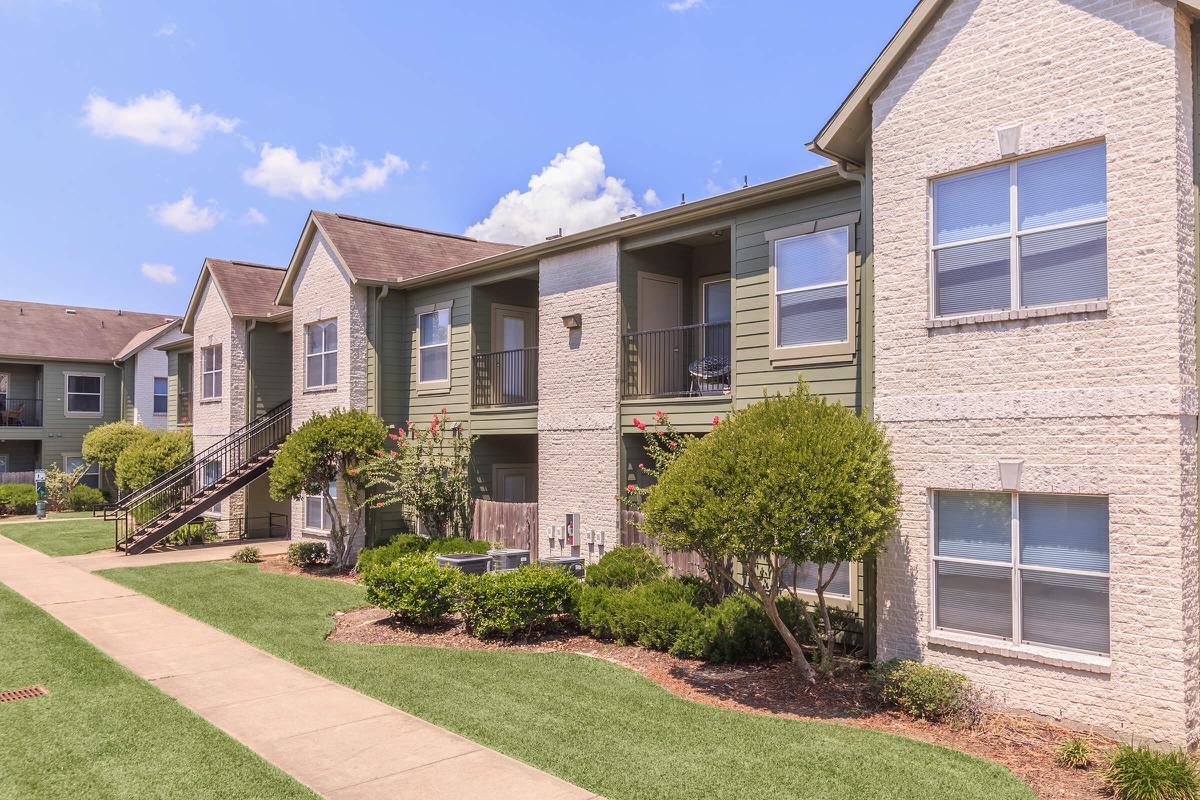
12 416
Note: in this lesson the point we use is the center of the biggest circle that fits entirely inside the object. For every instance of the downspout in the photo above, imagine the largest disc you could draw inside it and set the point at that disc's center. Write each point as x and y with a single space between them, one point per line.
250 326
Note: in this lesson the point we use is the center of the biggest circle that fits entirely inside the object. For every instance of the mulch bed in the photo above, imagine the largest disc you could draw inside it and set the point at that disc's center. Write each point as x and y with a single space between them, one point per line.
279 563
1026 746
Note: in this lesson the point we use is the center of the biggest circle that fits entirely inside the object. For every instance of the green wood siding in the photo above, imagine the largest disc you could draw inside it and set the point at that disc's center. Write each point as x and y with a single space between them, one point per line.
692 415
269 369
179 375
128 387
423 404
517 419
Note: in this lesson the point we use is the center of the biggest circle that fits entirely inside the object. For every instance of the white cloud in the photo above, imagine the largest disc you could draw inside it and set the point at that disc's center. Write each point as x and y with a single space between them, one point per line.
184 215
572 192
281 172
168 28
650 198
679 6
253 217
156 119
160 273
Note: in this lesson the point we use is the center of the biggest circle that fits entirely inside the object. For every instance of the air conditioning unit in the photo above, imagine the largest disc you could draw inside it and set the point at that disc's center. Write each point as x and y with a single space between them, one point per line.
509 558
470 563
572 564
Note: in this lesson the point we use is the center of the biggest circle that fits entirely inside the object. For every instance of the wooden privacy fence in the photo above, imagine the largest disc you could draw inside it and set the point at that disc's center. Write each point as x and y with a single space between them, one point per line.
16 477
682 562
507 525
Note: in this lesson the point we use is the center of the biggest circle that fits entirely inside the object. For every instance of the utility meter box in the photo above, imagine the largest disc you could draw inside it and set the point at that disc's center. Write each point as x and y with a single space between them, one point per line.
572 530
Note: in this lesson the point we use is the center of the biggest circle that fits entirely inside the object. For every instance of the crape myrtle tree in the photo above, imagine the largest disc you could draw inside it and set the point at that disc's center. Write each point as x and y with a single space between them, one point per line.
151 455
328 449
426 473
104 444
788 480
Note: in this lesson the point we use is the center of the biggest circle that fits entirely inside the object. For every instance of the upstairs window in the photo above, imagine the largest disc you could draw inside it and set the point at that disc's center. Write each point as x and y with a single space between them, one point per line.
320 354
811 290
160 395
84 394
1026 234
210 372
433 347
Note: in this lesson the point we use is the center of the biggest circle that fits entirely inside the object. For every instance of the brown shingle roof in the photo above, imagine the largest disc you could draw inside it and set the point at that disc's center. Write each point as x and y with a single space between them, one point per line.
248 289
141 338
40 330
381 252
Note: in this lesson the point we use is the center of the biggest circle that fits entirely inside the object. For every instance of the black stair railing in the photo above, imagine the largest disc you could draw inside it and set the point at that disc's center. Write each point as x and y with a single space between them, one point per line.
177 489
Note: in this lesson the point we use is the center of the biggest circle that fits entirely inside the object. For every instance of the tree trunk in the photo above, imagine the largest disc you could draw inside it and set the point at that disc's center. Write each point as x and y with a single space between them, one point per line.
766 598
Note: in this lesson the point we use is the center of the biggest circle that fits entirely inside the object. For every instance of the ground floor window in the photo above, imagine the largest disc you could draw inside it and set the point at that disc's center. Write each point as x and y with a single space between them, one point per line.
803 578
316 516
91 474
1030 568
212 474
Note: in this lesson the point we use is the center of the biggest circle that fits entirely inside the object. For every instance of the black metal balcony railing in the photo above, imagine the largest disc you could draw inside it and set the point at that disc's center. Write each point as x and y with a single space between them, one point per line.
15 411
505 378
687 361
184 401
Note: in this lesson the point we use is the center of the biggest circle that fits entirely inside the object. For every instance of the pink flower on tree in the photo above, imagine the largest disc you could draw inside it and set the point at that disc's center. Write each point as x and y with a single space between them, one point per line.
716 420
630 488
637 423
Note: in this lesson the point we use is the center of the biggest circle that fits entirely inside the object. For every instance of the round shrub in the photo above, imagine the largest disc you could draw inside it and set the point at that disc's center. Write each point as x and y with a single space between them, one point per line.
83 498
455 544
517 602
307 553
247 555
414 588
1137 773
926 692
17 498
382 555
652 615
623 567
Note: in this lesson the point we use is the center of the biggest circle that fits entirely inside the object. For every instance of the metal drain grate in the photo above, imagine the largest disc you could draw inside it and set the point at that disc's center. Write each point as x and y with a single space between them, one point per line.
23 694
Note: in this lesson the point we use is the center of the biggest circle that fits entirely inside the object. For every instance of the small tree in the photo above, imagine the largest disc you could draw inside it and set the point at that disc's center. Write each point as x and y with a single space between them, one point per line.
663 444
329 449
104 444
59 484
792 479
426 474
150 456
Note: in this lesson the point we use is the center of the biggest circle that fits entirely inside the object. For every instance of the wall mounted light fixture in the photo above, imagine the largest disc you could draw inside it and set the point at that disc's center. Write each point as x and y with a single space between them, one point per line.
573 321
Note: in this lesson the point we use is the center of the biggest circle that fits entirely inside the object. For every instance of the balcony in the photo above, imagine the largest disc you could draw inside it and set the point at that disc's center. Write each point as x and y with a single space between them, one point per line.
18 412
184 406
684 361
504 378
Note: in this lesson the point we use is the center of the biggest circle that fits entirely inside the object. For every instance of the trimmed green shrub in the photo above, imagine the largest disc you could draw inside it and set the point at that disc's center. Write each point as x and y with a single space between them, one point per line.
652 615
17 498
736 630
386 554
623 567
1137 773
926 692
454 544
82 498
519 601
1073 754
247 555
151 455
307 553
414 588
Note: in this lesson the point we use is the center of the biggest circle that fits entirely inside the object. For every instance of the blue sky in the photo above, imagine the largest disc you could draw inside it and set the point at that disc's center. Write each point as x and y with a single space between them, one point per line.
138 138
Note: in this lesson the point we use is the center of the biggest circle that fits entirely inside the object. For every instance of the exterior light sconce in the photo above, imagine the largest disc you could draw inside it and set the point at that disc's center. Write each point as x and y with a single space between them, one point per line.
1008 139
573 322
1010 473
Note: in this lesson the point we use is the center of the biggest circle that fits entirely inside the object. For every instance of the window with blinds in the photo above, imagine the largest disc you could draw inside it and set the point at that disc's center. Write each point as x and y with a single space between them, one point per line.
812 288
1031 568
1026 234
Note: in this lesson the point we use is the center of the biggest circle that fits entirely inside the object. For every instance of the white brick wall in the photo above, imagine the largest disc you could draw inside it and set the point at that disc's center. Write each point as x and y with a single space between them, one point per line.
150 364
1098 402
578 436
323 291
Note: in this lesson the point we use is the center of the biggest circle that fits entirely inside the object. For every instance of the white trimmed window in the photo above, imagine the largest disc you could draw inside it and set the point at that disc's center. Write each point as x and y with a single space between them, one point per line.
811 286
1029 568
212 474
91 472
320 354
1029 233
210 372
160 395
433 347
85 394
316 516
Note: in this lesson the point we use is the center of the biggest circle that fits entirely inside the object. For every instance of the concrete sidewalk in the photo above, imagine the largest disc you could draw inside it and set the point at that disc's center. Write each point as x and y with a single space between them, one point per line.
215 551
339 742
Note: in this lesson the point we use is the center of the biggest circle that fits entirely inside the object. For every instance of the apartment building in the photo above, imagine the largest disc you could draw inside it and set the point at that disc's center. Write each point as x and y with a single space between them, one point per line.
1000 266
66 369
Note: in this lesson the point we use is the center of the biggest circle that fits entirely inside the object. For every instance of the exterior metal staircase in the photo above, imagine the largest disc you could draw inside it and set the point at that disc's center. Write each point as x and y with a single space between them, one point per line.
146 517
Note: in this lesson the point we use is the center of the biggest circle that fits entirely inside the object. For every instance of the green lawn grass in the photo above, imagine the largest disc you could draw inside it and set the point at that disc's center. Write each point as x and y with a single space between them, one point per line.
65 537
102 732
590 722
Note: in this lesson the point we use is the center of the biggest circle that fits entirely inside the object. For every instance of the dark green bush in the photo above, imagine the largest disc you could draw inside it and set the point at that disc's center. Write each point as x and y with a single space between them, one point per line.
623 567
193 533
737 630
516 602
247 555
307 553
414 588
454 544
385 554
652 615
17 498
1137 773
924 691
82 498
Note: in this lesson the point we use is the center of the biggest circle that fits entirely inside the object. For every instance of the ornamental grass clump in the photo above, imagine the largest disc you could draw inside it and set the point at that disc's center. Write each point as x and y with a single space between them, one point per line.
1138 773
1073 753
